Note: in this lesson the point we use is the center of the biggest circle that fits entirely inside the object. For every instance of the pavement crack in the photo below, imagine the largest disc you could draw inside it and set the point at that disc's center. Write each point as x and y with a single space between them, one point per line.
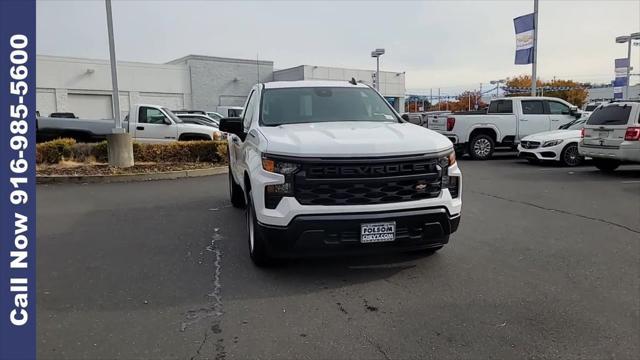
204 340
558 211
378 347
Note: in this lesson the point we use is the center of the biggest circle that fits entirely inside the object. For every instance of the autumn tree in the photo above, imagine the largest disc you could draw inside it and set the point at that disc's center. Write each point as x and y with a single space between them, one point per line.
576 96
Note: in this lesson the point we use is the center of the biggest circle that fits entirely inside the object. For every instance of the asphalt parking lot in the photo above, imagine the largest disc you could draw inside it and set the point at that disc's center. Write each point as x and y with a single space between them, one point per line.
545 264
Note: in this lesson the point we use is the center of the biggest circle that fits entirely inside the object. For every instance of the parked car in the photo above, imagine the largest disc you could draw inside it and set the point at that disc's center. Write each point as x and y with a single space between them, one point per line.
326 167
179 112
198 119
203 120
611 135
506 122
214 115
557 145
145 123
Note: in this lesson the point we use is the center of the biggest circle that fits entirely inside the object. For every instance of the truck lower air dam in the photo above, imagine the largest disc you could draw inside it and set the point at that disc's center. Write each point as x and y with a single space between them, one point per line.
120 149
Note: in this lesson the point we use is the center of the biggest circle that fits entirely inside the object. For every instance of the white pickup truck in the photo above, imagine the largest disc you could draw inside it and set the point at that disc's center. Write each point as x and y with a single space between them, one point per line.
327 167
145 123
506 122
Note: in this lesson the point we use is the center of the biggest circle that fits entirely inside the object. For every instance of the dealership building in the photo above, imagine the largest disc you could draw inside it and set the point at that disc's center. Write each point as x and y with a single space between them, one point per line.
83 86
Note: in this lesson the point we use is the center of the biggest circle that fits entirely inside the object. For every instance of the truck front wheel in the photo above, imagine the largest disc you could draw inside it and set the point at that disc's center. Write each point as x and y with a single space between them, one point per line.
257 242
481 147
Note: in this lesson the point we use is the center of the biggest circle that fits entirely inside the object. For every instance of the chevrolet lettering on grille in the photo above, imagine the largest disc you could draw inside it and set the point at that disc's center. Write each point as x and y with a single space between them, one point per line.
366 170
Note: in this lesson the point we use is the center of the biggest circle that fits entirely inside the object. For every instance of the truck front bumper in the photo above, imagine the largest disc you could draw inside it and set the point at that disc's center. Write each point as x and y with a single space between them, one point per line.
333 234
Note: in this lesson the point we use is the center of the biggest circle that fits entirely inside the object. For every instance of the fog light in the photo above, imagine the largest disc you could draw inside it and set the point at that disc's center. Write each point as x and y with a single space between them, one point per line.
285 188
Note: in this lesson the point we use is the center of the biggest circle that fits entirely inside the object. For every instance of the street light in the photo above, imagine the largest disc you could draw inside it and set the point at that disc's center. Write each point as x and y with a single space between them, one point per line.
497 84
628 39
376 54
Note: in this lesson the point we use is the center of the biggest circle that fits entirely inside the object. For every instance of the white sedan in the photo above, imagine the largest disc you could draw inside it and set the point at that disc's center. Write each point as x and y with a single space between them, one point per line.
558 145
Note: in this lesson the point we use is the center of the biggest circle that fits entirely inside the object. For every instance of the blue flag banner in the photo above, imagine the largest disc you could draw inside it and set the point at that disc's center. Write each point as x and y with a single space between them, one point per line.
17 179
524 26
621 79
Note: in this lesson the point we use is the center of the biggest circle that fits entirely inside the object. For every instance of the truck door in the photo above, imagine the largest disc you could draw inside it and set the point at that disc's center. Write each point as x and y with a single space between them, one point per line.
153 126
533 118
559 114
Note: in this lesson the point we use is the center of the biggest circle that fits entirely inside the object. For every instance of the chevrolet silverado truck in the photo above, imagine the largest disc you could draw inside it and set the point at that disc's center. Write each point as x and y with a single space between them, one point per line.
328 167
145 123
506 122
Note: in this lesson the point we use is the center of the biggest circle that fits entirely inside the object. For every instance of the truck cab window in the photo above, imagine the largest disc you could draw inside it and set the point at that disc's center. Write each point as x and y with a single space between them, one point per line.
558 108
532 107
501 107
151 116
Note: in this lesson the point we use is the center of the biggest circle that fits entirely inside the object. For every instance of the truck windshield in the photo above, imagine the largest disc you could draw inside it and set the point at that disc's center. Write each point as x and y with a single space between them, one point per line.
323 104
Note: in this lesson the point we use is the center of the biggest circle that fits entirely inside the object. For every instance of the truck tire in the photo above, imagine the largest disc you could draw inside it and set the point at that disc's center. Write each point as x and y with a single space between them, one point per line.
570 155
235 192
257 243
481 147
606 165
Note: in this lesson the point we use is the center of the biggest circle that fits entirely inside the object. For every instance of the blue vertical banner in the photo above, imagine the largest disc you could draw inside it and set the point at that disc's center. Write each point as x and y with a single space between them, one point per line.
17 179
621 79
525 26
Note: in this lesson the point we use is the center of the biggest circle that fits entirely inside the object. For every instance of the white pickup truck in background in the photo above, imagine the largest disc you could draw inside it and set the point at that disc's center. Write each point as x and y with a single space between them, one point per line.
145 123
506 122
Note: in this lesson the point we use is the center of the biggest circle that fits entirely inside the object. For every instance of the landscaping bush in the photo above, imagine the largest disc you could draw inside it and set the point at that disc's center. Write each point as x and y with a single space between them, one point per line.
52 152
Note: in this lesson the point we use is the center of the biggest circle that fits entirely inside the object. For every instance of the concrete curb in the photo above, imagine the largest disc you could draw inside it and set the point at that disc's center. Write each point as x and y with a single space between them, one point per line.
169 175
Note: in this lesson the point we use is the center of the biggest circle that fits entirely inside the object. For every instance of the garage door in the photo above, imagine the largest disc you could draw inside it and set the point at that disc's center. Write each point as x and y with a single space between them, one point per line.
171 101
45 101
90 106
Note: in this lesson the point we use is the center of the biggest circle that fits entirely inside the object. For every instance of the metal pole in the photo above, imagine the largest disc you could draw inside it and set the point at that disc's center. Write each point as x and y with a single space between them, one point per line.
438 99
378 73
628 69
534 69
497 87
114 72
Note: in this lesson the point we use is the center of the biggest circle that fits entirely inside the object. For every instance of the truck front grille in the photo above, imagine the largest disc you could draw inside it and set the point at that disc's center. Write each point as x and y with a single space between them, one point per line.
368 181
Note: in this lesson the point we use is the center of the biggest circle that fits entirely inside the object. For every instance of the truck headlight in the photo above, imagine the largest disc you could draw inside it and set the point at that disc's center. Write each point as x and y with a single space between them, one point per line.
279 167
549 143
447 160
274 193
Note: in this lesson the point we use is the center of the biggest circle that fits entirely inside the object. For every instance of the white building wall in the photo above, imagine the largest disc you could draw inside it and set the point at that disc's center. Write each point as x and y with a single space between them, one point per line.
219 81
72 77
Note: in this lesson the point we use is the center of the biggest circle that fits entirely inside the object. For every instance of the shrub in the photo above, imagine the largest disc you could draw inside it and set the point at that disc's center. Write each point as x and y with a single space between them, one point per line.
52 152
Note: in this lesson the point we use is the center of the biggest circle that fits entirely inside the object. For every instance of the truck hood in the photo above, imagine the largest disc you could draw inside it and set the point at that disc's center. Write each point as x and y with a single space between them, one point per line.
553 135
353 138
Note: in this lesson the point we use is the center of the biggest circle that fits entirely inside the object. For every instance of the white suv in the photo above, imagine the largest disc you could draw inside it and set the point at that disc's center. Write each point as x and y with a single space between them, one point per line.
327 167
611 135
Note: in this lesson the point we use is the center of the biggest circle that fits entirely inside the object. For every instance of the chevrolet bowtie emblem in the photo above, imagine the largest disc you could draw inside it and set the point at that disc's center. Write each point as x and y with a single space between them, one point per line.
421 187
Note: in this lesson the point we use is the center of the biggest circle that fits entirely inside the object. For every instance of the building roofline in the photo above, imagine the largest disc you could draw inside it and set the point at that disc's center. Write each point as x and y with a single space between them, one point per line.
340 68
219 59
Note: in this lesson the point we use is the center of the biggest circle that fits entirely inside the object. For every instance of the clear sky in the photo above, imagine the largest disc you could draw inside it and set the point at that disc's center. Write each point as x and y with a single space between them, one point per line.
449 44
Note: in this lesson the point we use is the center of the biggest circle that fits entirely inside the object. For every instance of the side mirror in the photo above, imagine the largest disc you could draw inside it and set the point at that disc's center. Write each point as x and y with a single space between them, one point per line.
406 117
166 121
232 125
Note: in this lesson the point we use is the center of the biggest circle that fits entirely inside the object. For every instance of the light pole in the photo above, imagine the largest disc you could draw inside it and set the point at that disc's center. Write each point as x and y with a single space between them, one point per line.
376 54
497 84
119 145
628 39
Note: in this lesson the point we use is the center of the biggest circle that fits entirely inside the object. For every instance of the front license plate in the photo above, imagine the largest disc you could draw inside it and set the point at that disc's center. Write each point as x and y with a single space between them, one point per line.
378 232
